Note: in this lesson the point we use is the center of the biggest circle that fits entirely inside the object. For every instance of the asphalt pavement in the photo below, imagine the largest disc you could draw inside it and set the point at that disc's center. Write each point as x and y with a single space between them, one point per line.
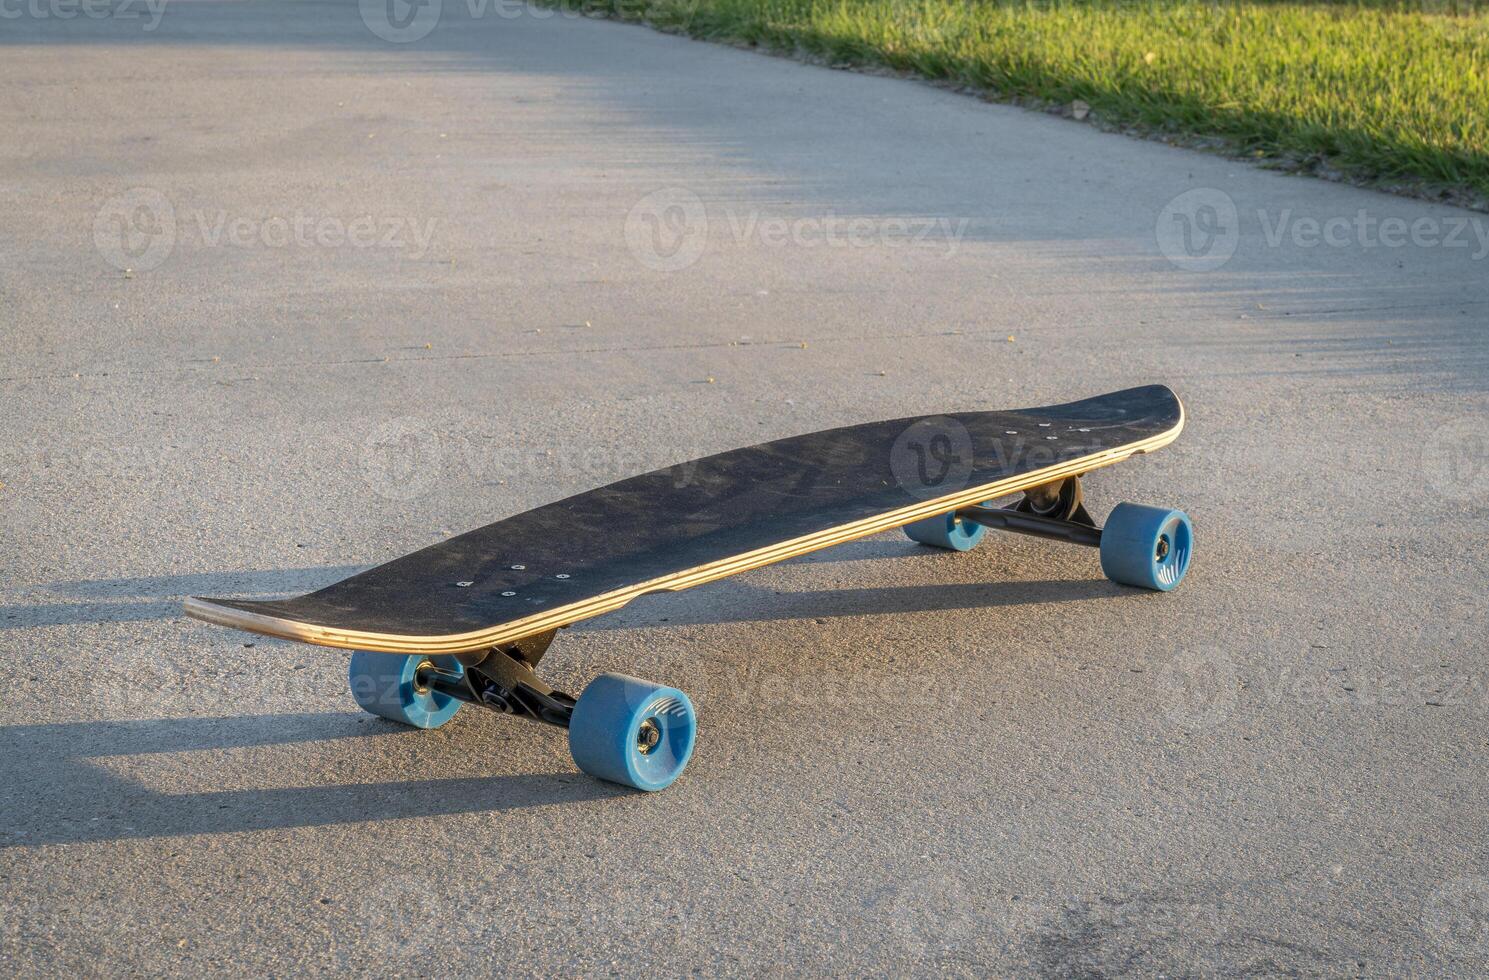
291 289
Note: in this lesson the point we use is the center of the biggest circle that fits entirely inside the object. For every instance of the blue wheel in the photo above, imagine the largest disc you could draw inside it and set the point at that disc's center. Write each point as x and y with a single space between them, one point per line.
387 684
1148 547
946 531
632 732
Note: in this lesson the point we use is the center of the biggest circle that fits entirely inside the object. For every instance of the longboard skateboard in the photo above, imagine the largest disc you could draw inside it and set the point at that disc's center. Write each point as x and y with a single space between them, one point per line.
469 618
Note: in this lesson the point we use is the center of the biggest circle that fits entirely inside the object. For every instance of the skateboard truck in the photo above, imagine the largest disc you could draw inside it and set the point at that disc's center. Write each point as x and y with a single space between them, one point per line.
621 728
1147 547
504 681
1054 510
1009 519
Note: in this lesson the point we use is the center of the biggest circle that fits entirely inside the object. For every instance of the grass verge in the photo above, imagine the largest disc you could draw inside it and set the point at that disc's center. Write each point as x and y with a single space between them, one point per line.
1382 91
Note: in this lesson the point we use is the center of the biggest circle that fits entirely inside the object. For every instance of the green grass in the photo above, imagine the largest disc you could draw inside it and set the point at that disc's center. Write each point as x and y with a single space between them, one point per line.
1374 89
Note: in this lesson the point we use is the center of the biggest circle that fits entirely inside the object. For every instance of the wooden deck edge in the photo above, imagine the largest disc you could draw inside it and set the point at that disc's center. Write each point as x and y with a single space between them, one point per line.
211 612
